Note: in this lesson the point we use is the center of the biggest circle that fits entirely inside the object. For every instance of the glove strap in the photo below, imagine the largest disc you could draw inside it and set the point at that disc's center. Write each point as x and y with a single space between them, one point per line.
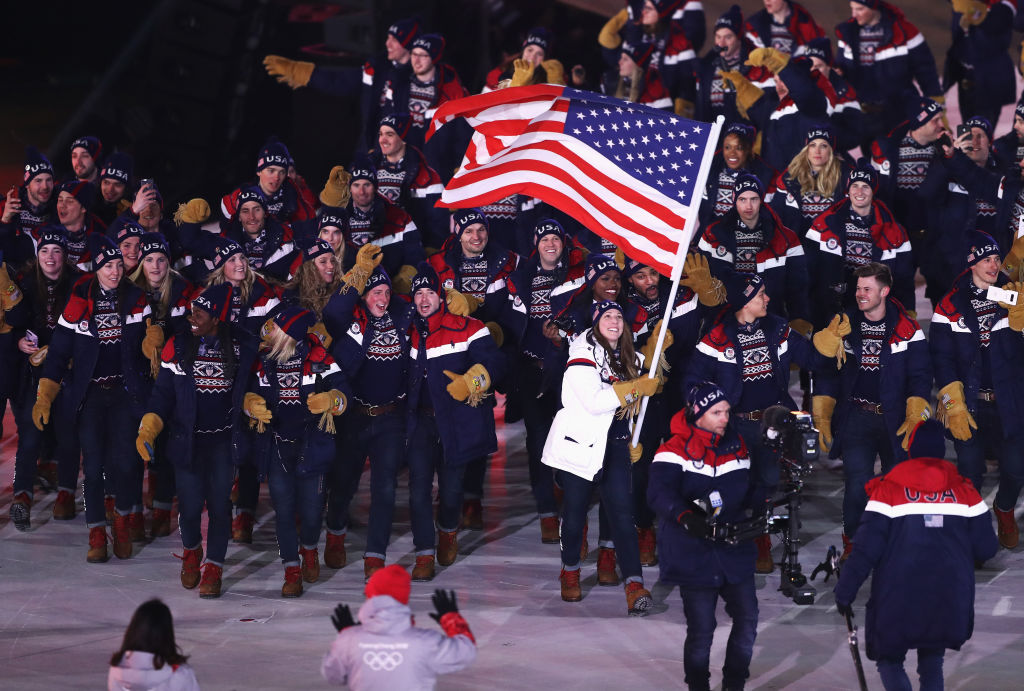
454 625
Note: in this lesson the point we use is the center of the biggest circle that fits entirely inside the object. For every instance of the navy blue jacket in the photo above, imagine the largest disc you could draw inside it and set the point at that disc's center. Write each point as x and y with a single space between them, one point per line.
35 320
906 371
689 466
755 165
924 528
986 48
16 318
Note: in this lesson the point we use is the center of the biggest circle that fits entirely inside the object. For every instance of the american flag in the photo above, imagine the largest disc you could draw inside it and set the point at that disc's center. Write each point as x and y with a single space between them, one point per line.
628 172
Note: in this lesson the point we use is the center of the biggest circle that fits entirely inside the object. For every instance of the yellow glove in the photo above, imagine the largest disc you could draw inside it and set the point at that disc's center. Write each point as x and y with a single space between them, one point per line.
635 452
39 356
684 108
821 409
555 72
10 294
367 259
829 341
45 394
151 345
609 37
648 350
747 94
332 401
470 387
402 281
630 393
496 333
1020 63
973 12
697 277
1015 313
149 430
802 327
458 303
953 413
522 74
193 211
774 60
918 410
290 72
336 190
255 406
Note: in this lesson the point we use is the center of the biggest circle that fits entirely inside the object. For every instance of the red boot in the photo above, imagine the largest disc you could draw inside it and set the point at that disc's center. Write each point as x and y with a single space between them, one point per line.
648 546
606 567
292 582
764 563
241 528
64 506
190 561
98 545
1006 523
209 587
334 551
310 565
122 537
570 583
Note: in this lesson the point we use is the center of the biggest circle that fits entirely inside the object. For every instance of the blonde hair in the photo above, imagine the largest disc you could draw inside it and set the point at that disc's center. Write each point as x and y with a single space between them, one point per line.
824 183
282 346
632 92
216 277
162 291
313 292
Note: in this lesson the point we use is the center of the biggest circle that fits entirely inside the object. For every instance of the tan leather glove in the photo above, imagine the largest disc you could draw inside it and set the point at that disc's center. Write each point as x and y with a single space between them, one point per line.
770 58
151 345
336 190
291 72
953 413
635 452
609 37
402 281
332 401
918 410
255 406
1015 313
193 211
497 334
522 74
747 94
458 303
684 108
829 341
37 358
47 391
149 430
822 408
555 72
10 293
697 277
367 260
648 350
972 12
631 392
470 387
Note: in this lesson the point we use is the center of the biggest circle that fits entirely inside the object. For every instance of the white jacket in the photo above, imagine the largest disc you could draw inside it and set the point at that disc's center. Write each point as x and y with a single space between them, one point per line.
136 673
579 432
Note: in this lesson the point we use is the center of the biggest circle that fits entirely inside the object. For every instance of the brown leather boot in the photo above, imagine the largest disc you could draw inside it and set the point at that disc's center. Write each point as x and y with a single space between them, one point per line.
648 546
21 511
570 582
1006 524
190 561
137 526
310 564
122 537
472 515
109 509
161 525
549 530
447 547
241 528
372 565
424 569
97 545
334 552
292 582
209 586
764 563
606 567
64 506
638 599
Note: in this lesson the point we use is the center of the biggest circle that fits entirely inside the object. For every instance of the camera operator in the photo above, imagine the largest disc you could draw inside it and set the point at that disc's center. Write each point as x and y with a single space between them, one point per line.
881 392
748 354
706 461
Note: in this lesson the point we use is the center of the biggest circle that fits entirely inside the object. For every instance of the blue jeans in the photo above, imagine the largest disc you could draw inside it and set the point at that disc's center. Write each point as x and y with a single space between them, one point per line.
613 482
764 463
863 437
425 457
970 455
107 427
473 478
929 669
538 414
207 482
699 607
294 495
248 488
382 438
161 471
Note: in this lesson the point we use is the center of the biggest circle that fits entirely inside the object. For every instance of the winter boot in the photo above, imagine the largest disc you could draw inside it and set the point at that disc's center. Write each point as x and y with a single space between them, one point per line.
447 547
334 551
241 528
472 515
234 492
310 564
570 582
209 586
108 507
97 545
424 569
122 537
648 546
638 599
292 582
1009 534
606 567
372 565
847 549
161 526
764 563
137 526
549 530
64 506
190 562
21 511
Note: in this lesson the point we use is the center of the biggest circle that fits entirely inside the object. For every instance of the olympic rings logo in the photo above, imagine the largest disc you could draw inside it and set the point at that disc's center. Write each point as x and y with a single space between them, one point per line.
386 662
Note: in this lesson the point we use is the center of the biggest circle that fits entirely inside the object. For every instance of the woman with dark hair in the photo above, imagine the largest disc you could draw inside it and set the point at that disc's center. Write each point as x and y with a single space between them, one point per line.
736 156
588 446
149 657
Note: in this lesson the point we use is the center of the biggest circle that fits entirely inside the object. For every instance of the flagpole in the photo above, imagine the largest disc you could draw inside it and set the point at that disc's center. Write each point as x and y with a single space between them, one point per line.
689 227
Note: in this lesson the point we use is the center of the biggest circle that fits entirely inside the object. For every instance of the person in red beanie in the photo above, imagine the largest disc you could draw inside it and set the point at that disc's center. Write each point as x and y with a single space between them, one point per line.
384 650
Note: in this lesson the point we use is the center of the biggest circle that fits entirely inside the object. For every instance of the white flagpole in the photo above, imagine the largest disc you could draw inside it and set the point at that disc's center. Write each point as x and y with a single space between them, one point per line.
689 229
